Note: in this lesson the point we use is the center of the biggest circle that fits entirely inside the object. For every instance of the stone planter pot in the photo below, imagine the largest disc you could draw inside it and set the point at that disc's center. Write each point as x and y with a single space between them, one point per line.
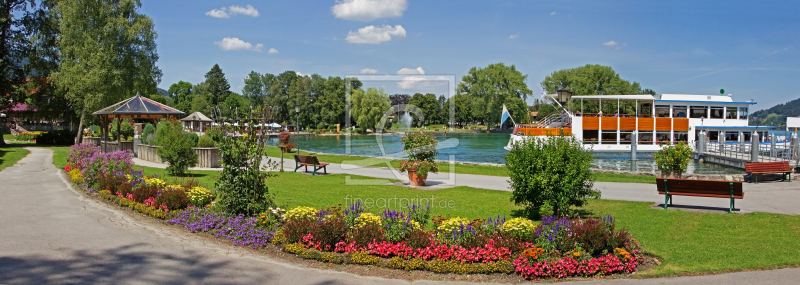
670 174
416 180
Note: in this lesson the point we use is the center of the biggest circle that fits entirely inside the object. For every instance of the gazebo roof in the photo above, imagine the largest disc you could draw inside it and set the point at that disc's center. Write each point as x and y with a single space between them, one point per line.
139 107
197 116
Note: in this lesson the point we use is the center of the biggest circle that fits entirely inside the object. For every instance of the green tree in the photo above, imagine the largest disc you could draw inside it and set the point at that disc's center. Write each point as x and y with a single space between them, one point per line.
367 108
332 101
256 87
552 172
107 52
494 85
594 79
235 106
182 96
429 106
217 84
176 147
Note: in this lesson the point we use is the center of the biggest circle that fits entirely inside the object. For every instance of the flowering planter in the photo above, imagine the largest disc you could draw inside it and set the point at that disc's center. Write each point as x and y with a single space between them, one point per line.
416 179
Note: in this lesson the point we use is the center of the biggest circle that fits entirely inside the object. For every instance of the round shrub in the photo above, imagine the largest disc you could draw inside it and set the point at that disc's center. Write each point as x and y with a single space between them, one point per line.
199 196
176 148
193 138
205 141
173 197
149 129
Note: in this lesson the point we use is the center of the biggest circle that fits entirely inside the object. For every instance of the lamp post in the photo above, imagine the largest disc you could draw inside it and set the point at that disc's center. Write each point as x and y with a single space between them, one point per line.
297 126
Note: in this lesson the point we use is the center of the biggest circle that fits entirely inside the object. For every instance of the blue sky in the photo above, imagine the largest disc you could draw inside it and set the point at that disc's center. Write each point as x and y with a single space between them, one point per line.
749 48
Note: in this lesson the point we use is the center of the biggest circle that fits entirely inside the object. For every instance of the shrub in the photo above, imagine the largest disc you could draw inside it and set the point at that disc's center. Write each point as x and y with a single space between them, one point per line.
205 141
143 191
329 230
421 151
193 138
672 160
176 148
294 229
107 164
553 170
398 225
59 137
173 197
126 130
366 234
241 187
148 130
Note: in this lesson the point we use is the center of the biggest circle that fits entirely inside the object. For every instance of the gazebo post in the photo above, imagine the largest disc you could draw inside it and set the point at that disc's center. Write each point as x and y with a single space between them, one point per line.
119 138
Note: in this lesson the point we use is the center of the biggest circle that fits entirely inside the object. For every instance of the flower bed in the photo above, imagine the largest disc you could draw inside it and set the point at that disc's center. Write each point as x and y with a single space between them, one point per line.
113 176
407 240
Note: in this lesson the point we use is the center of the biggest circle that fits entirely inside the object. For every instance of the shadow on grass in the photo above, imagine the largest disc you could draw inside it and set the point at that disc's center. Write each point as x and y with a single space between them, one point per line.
126 264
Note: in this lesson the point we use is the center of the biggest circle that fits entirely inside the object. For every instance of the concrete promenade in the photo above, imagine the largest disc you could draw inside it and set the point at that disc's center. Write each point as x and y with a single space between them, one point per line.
52 234
773 197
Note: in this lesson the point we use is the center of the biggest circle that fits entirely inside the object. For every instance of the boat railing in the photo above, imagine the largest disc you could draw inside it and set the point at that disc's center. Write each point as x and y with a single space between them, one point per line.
767 151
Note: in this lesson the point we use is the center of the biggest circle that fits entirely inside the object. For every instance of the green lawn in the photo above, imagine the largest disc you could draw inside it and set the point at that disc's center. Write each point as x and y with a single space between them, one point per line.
685 242
9 155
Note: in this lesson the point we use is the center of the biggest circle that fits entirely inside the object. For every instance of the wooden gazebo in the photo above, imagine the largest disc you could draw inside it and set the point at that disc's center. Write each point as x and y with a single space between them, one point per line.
136 107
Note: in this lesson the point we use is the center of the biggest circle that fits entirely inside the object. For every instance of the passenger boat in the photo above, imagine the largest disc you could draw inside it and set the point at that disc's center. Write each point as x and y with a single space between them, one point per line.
644 122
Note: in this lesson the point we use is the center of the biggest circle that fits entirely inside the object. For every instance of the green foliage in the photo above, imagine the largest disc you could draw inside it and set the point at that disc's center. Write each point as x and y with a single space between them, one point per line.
182 96
553 171
594 79
367 108
176 148
242 188
126 130
148 130
673 159
491 87
139 207
421 149
428 105
776 115
205 141
218 86
193 137
59 137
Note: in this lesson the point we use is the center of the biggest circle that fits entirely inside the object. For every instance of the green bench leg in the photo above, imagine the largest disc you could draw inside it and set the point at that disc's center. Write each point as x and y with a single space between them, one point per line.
756 177
733 202
298 167
666 194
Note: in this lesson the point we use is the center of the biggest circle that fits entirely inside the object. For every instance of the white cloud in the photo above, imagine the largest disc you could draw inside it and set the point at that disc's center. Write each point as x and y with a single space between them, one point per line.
232 10
237 44
272 51
247 10
417 70
615 45
511 37
369 71
376 35
553 13
368 10
218 13
299 73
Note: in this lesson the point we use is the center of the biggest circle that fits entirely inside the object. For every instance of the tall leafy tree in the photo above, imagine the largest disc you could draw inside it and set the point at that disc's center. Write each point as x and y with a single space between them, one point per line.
332 101
15 26
367 107
429 106
594 79
495 85
256 87
108 52
218 86
182 96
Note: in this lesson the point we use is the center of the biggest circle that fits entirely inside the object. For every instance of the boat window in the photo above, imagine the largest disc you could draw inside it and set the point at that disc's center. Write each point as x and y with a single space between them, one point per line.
679 112
699 112
680 137
742 113
747 136
590 136
662 111
717 112
730 113
625 137
645 138
713 136
609 137
731 136
662 137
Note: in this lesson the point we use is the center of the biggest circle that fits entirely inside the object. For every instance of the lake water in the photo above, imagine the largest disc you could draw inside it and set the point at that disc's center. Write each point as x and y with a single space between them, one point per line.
487 148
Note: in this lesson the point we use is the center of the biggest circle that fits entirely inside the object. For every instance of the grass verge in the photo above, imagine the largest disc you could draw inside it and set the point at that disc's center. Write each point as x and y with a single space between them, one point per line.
9 155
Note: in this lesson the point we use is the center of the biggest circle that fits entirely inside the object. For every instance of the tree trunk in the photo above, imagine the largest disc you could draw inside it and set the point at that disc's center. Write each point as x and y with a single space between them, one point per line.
80 127
2 141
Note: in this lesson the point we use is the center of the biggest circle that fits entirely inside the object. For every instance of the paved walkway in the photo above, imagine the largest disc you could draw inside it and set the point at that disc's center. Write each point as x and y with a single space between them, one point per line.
773 197
52 234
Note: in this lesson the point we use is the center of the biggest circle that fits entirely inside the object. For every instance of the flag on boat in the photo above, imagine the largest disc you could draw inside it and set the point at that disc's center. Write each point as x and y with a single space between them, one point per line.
505 115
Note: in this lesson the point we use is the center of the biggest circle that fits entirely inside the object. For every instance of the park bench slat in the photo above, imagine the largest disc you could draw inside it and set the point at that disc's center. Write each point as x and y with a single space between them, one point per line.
768 167
309 160
699 188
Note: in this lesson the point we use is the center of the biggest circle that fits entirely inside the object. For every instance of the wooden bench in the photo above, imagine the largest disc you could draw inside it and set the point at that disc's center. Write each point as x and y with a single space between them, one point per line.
309 160
699 188
756 168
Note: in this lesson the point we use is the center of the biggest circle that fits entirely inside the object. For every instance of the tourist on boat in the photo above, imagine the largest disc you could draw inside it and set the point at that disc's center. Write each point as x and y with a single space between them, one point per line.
616 114
600 114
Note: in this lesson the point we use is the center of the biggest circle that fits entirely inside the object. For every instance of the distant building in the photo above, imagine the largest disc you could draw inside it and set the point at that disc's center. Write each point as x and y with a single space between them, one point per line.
196 122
